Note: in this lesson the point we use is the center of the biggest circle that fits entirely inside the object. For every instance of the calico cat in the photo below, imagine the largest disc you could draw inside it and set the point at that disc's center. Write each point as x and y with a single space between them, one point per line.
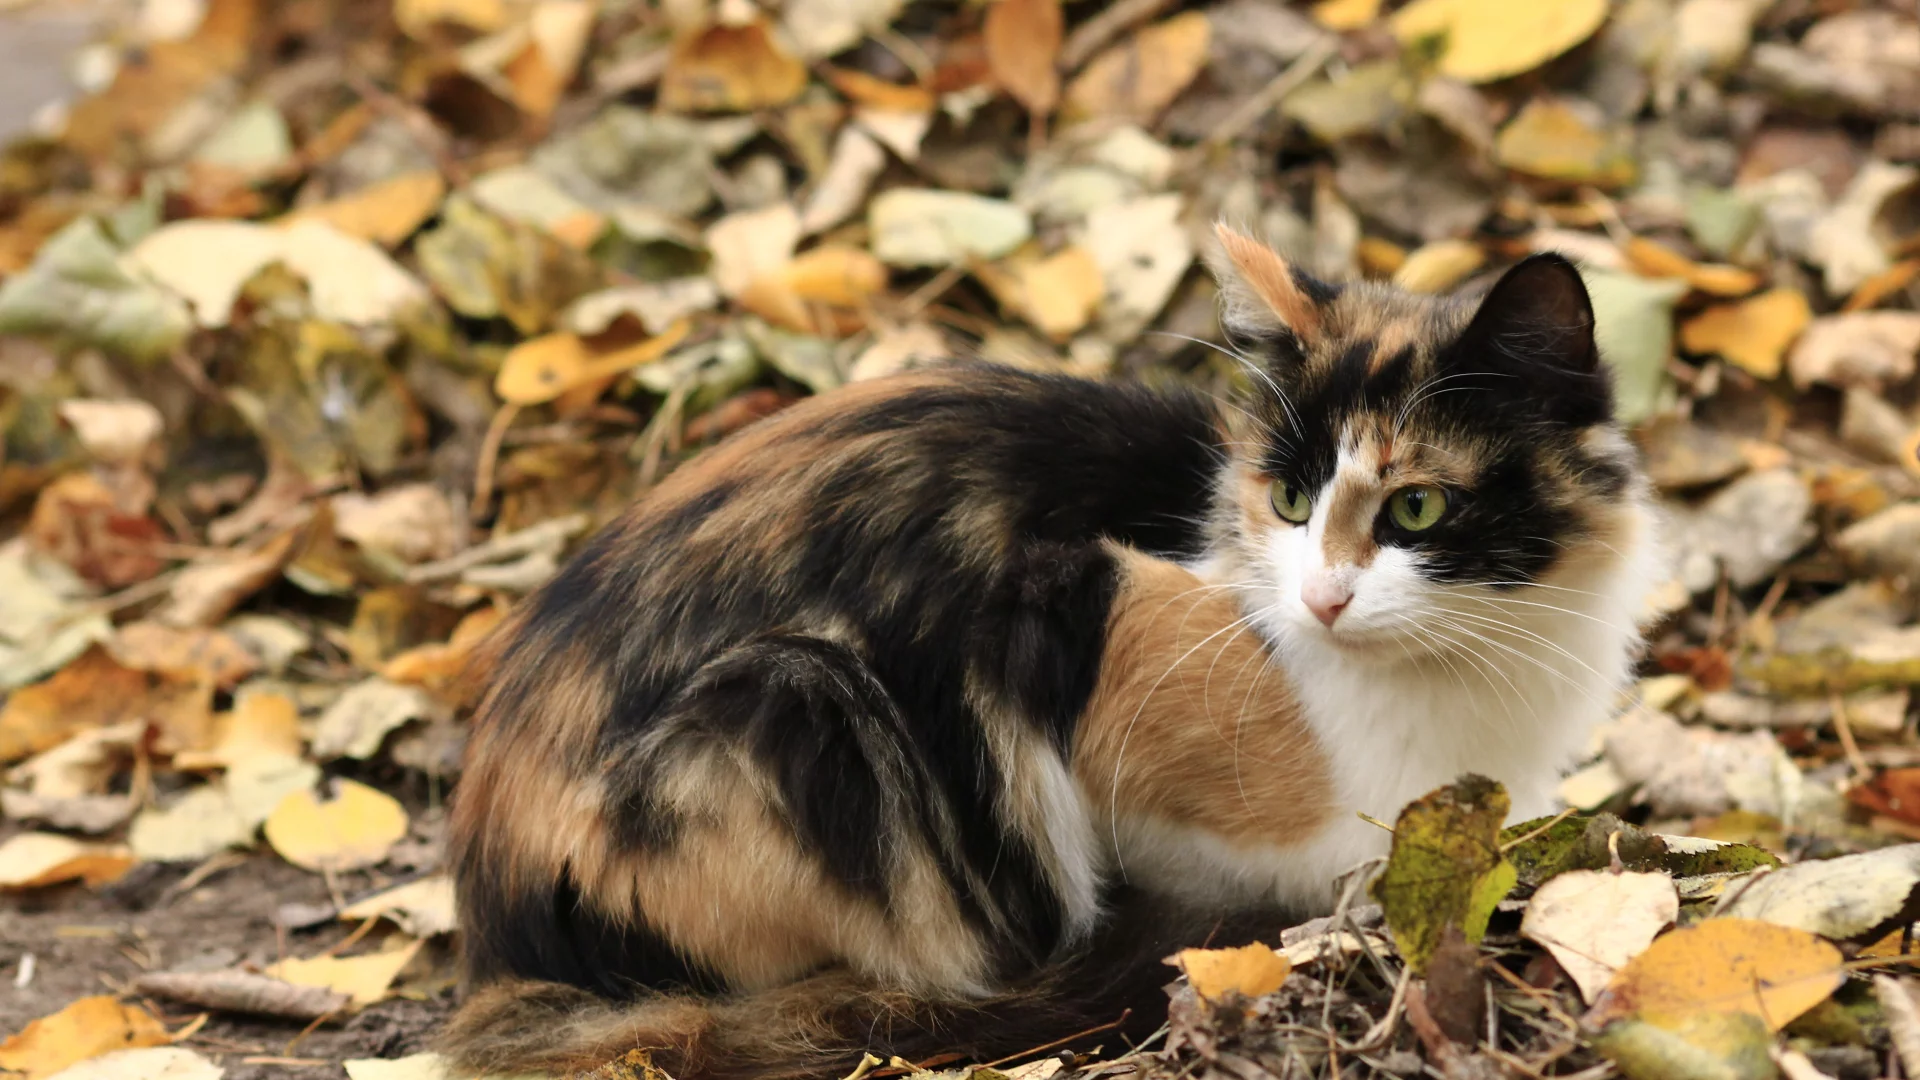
930 713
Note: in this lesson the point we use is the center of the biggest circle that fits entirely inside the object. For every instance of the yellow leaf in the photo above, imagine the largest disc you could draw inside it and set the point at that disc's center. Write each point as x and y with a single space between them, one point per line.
91 691
261 725
1724 966
1650 259
1910 453
386 212
352 831
1379 258
876 93
1346 14
1485 40
730 69
537 371
1060 293
1753 335
31 860
1252 970
835 274
1140 77
365 979
441 666
1022 38
85 1029
1552 140
1439 266
418 18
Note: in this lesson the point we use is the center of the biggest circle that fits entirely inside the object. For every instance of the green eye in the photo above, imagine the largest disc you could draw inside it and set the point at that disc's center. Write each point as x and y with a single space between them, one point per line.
1290 502
1417 508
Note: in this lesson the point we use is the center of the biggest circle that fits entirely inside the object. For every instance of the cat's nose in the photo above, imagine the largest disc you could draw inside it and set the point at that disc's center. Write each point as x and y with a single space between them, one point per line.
1326 597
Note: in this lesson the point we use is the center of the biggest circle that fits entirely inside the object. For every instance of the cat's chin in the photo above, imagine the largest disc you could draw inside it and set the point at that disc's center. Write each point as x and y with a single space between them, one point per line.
1362 644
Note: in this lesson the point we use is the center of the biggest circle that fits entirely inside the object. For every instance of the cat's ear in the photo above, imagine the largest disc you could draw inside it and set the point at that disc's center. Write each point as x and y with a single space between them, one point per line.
1263 295
1537 314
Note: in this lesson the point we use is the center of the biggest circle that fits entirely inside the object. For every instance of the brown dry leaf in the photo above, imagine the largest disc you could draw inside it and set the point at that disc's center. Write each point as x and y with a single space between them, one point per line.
1870 349
540 370
441 667
557 32
353 830
91 691
364 979
197 654
1139 78
877 93
121 433
836 274
1888 282
80 521
1487 40
1650 259
1724 966
1251 970
262 724
32 860
150 89
85 1029
1753 335
730 69
423 908
1022 40
385 212
413 523
206 591
751 244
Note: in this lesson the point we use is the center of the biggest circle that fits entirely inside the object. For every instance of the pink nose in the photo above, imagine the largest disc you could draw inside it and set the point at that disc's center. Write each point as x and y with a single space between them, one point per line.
1325 597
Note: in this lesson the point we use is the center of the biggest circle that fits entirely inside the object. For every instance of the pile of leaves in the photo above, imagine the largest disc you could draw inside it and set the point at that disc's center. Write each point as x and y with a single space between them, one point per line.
327 326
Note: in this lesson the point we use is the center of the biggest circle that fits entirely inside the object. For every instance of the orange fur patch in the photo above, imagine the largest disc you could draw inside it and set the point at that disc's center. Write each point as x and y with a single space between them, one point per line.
1267 274
1191 721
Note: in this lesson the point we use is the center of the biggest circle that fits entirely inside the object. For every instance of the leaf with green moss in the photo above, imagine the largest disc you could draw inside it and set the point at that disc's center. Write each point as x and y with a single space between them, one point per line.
1446 868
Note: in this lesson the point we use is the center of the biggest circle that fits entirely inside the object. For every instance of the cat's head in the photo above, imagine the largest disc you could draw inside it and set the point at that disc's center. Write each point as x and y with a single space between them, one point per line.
1418 474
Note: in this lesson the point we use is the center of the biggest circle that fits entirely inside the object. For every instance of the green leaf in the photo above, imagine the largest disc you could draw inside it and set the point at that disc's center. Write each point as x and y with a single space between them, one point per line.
1446 868
78 291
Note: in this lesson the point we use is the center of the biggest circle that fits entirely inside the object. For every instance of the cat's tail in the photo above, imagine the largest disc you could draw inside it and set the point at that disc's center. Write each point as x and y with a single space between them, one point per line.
820 1026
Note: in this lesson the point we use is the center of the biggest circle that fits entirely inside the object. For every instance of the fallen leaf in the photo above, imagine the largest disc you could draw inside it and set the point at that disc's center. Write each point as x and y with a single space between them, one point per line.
1022 39
91 691
537 371
32 860
84 765
352 830
151 1063
423 908
1142 251
1655 260
1594 921
730 69
1137 79
1486 40
441 667
1346 14
1774 973
119 432
1853 896
419 18
386 211
855 163
1633 320
222 814
1439 266
364 979
414 523
821 28
1871 349
79 289
207 590
1060 293
751 244
1753 335
82 522
262 724
927 227
657 304
1849 242
1886 543
1705 1046
1445 868
1558 139
87 1028
361 718
248 992
1249 970
196 654
414 1067
878 94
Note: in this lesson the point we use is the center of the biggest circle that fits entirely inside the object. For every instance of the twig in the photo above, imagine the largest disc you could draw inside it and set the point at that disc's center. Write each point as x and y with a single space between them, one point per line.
1110 23
243 992
489 458
1844 728
1075 1037
500 548
1518 840
1267 97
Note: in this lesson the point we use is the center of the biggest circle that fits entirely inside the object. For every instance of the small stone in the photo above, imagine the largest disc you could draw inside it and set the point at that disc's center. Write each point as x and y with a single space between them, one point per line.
1750 528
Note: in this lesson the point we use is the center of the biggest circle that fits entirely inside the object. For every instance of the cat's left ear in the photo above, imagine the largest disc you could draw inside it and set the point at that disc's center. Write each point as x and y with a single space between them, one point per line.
1536 328
1263 294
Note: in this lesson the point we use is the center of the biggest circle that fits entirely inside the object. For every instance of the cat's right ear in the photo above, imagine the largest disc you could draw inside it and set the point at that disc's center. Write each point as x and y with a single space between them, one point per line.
1263 296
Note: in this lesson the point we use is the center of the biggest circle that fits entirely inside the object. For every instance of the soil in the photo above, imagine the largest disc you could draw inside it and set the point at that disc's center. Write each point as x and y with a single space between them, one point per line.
87 942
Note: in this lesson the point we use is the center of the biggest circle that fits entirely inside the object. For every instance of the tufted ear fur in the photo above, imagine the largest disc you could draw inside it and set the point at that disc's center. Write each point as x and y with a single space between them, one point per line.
1263 295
